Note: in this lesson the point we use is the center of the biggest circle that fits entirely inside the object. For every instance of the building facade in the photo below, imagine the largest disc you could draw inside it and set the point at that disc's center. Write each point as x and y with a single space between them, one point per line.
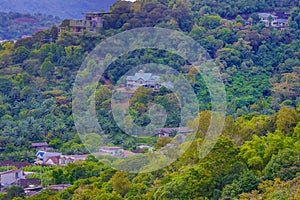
143 79
271 20
91 23
11 177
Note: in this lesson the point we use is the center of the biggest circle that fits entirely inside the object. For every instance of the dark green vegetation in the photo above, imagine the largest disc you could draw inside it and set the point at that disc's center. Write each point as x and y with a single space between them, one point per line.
62 9
260 67
232 8
15 25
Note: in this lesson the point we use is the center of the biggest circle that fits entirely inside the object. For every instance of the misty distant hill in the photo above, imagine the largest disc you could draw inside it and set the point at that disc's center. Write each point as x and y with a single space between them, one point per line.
61 8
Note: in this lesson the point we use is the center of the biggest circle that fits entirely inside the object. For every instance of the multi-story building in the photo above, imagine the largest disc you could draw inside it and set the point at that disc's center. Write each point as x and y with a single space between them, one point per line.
10 177
92 22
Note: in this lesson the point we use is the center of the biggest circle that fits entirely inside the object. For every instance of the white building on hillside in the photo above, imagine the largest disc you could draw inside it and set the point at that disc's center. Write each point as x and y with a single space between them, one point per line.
143 79
147 80
114 151
268 19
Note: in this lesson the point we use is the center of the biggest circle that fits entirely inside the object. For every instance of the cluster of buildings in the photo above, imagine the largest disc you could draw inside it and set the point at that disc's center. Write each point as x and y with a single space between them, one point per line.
147 80
48 158
279 20
32 186
45 157
18 177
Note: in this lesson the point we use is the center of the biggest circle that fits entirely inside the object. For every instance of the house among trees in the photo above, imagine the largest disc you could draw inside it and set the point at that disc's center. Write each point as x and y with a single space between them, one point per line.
171 132
64 160
143 79
272 20
10 177
42 157
18 178
92 22
41 146
268 19
147 80
114 151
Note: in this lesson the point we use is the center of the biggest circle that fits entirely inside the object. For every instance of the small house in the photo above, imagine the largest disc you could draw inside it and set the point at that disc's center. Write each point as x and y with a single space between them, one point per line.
114 151
64 160
41 146
43 156
171 132
143 79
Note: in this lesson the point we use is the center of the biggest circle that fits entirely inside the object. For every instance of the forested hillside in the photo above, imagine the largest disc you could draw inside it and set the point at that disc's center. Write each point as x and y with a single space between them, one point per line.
258 153
15 25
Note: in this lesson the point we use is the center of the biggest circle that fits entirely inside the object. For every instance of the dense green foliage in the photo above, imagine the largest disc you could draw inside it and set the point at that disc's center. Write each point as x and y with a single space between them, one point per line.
15 25
258 153
263 167
233 8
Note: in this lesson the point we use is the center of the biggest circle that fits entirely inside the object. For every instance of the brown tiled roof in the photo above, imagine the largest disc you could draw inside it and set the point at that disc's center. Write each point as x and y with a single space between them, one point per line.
16 164
55 159
27 182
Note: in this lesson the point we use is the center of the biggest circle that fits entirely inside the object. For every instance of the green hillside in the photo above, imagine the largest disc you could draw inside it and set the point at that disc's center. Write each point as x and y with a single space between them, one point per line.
257 155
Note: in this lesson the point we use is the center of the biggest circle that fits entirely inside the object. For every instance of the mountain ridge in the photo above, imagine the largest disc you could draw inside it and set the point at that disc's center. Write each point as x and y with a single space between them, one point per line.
63 9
